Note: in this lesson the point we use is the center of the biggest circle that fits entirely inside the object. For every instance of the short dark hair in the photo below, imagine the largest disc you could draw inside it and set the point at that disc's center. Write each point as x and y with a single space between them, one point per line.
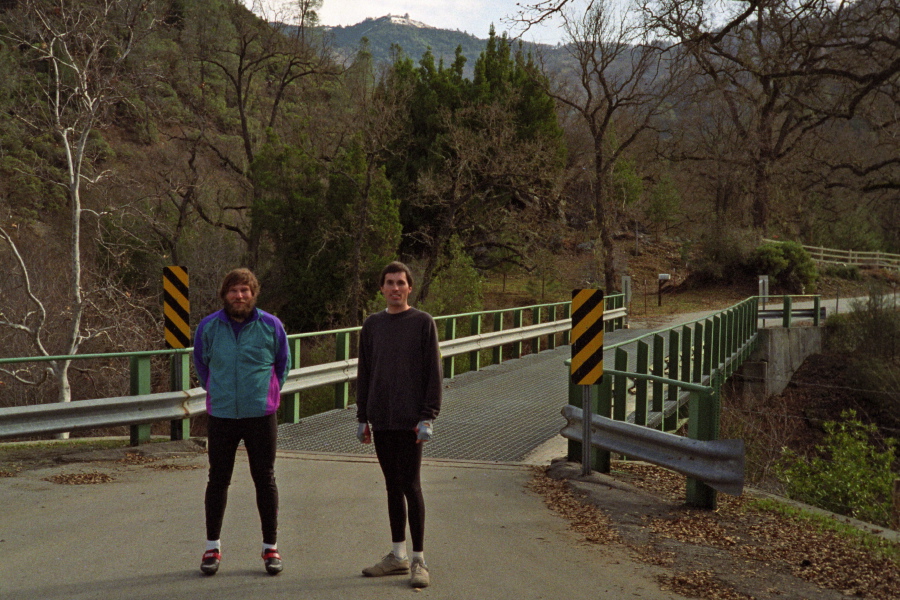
396 267
239 277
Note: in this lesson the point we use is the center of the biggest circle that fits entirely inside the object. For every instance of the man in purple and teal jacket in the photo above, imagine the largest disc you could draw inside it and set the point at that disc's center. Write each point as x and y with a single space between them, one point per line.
242 359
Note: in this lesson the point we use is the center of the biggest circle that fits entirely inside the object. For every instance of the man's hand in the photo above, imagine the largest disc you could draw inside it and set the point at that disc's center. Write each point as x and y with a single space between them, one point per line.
363 434
423 432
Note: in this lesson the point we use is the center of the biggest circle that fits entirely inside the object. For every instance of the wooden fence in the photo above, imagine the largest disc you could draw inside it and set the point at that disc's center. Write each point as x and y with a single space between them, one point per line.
831 256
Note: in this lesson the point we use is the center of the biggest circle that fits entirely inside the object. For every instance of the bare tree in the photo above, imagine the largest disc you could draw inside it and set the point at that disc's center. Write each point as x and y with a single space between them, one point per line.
620 91
78 52
780 70
261 59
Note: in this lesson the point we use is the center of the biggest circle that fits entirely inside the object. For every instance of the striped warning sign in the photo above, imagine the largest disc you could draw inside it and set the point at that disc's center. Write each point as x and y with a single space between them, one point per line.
176 307
587 336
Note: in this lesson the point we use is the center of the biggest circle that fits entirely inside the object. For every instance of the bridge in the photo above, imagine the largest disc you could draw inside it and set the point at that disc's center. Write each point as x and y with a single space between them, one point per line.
487 537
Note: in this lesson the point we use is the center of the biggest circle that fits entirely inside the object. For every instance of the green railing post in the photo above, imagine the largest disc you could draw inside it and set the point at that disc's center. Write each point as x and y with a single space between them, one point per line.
475 355
686 353
817 310
703 425
497 353
517 324
342 352
659 366
786 320
699 337
709 349
290 403
670 422
140 385
536 320
640 397
450 334
551 339
567 314
180 379
620 386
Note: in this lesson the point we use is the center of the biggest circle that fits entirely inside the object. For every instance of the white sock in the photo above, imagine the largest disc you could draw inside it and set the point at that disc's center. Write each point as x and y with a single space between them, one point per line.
272 546
213 544
399 549
419 555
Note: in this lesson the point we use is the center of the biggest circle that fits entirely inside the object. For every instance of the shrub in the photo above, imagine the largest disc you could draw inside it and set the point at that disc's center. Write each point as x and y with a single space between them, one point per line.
725 255
849 475
849 272
788 264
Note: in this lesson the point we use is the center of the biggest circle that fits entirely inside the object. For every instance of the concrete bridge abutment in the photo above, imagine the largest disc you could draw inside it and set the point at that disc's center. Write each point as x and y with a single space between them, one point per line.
780 353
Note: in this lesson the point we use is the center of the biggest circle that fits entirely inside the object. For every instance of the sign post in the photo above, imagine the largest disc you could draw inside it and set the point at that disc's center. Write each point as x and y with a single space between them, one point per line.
177 318
587 357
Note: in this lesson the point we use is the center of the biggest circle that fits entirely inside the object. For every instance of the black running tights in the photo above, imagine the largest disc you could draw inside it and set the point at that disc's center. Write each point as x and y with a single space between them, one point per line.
260 436
400 458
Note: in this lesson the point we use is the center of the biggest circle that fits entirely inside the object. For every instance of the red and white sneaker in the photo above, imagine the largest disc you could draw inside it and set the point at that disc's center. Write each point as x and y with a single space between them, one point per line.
274 566
210 563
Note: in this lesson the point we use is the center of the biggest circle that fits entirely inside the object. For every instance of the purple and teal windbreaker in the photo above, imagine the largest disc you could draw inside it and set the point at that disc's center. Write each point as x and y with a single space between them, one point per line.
242 372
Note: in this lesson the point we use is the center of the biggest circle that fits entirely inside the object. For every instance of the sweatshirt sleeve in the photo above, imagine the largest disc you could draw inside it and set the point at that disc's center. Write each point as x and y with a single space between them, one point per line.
282 354
363 376
434 374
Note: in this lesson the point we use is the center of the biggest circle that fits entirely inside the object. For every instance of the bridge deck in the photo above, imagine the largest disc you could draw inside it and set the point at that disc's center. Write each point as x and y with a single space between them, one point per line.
501 413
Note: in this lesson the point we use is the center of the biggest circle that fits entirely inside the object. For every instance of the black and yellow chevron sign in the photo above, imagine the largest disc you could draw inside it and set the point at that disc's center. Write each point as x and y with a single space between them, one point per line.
587 337
176 307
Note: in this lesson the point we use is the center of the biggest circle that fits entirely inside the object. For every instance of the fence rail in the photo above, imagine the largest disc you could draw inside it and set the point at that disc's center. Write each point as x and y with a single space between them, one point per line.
832 256
143 408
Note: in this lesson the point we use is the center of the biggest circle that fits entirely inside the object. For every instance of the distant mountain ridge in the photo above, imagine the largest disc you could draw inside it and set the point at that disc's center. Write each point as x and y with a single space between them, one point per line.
414 37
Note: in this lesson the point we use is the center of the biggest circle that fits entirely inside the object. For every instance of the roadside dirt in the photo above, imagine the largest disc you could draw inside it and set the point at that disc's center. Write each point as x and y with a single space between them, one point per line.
737 552
96 461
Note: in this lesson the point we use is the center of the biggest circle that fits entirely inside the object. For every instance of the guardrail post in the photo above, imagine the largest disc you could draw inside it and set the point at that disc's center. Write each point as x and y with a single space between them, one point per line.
341 353
786 320
517 324
140 385
551 339
475 355
817 310
450 334
567 314
497 354
180 379
703 424
290 403
536 320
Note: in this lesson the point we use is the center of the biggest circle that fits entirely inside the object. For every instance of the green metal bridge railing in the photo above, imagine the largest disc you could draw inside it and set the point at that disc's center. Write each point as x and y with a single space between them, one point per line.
310 349
674 376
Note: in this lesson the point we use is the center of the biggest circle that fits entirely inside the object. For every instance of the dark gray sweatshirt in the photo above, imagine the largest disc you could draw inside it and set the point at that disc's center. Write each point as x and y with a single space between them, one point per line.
399 378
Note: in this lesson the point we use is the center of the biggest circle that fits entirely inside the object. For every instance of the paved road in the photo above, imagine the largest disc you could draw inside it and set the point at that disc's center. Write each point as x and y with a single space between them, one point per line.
140 536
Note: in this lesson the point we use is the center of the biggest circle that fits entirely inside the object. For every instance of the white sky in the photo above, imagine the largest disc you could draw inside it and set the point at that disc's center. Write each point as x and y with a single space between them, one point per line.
471 16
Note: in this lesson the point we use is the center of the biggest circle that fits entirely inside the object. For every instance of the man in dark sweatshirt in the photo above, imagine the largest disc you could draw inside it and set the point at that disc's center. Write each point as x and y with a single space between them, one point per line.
398 397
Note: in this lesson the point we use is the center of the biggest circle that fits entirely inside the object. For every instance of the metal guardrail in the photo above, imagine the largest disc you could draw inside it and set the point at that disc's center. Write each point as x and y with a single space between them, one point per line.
717 463
141 409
